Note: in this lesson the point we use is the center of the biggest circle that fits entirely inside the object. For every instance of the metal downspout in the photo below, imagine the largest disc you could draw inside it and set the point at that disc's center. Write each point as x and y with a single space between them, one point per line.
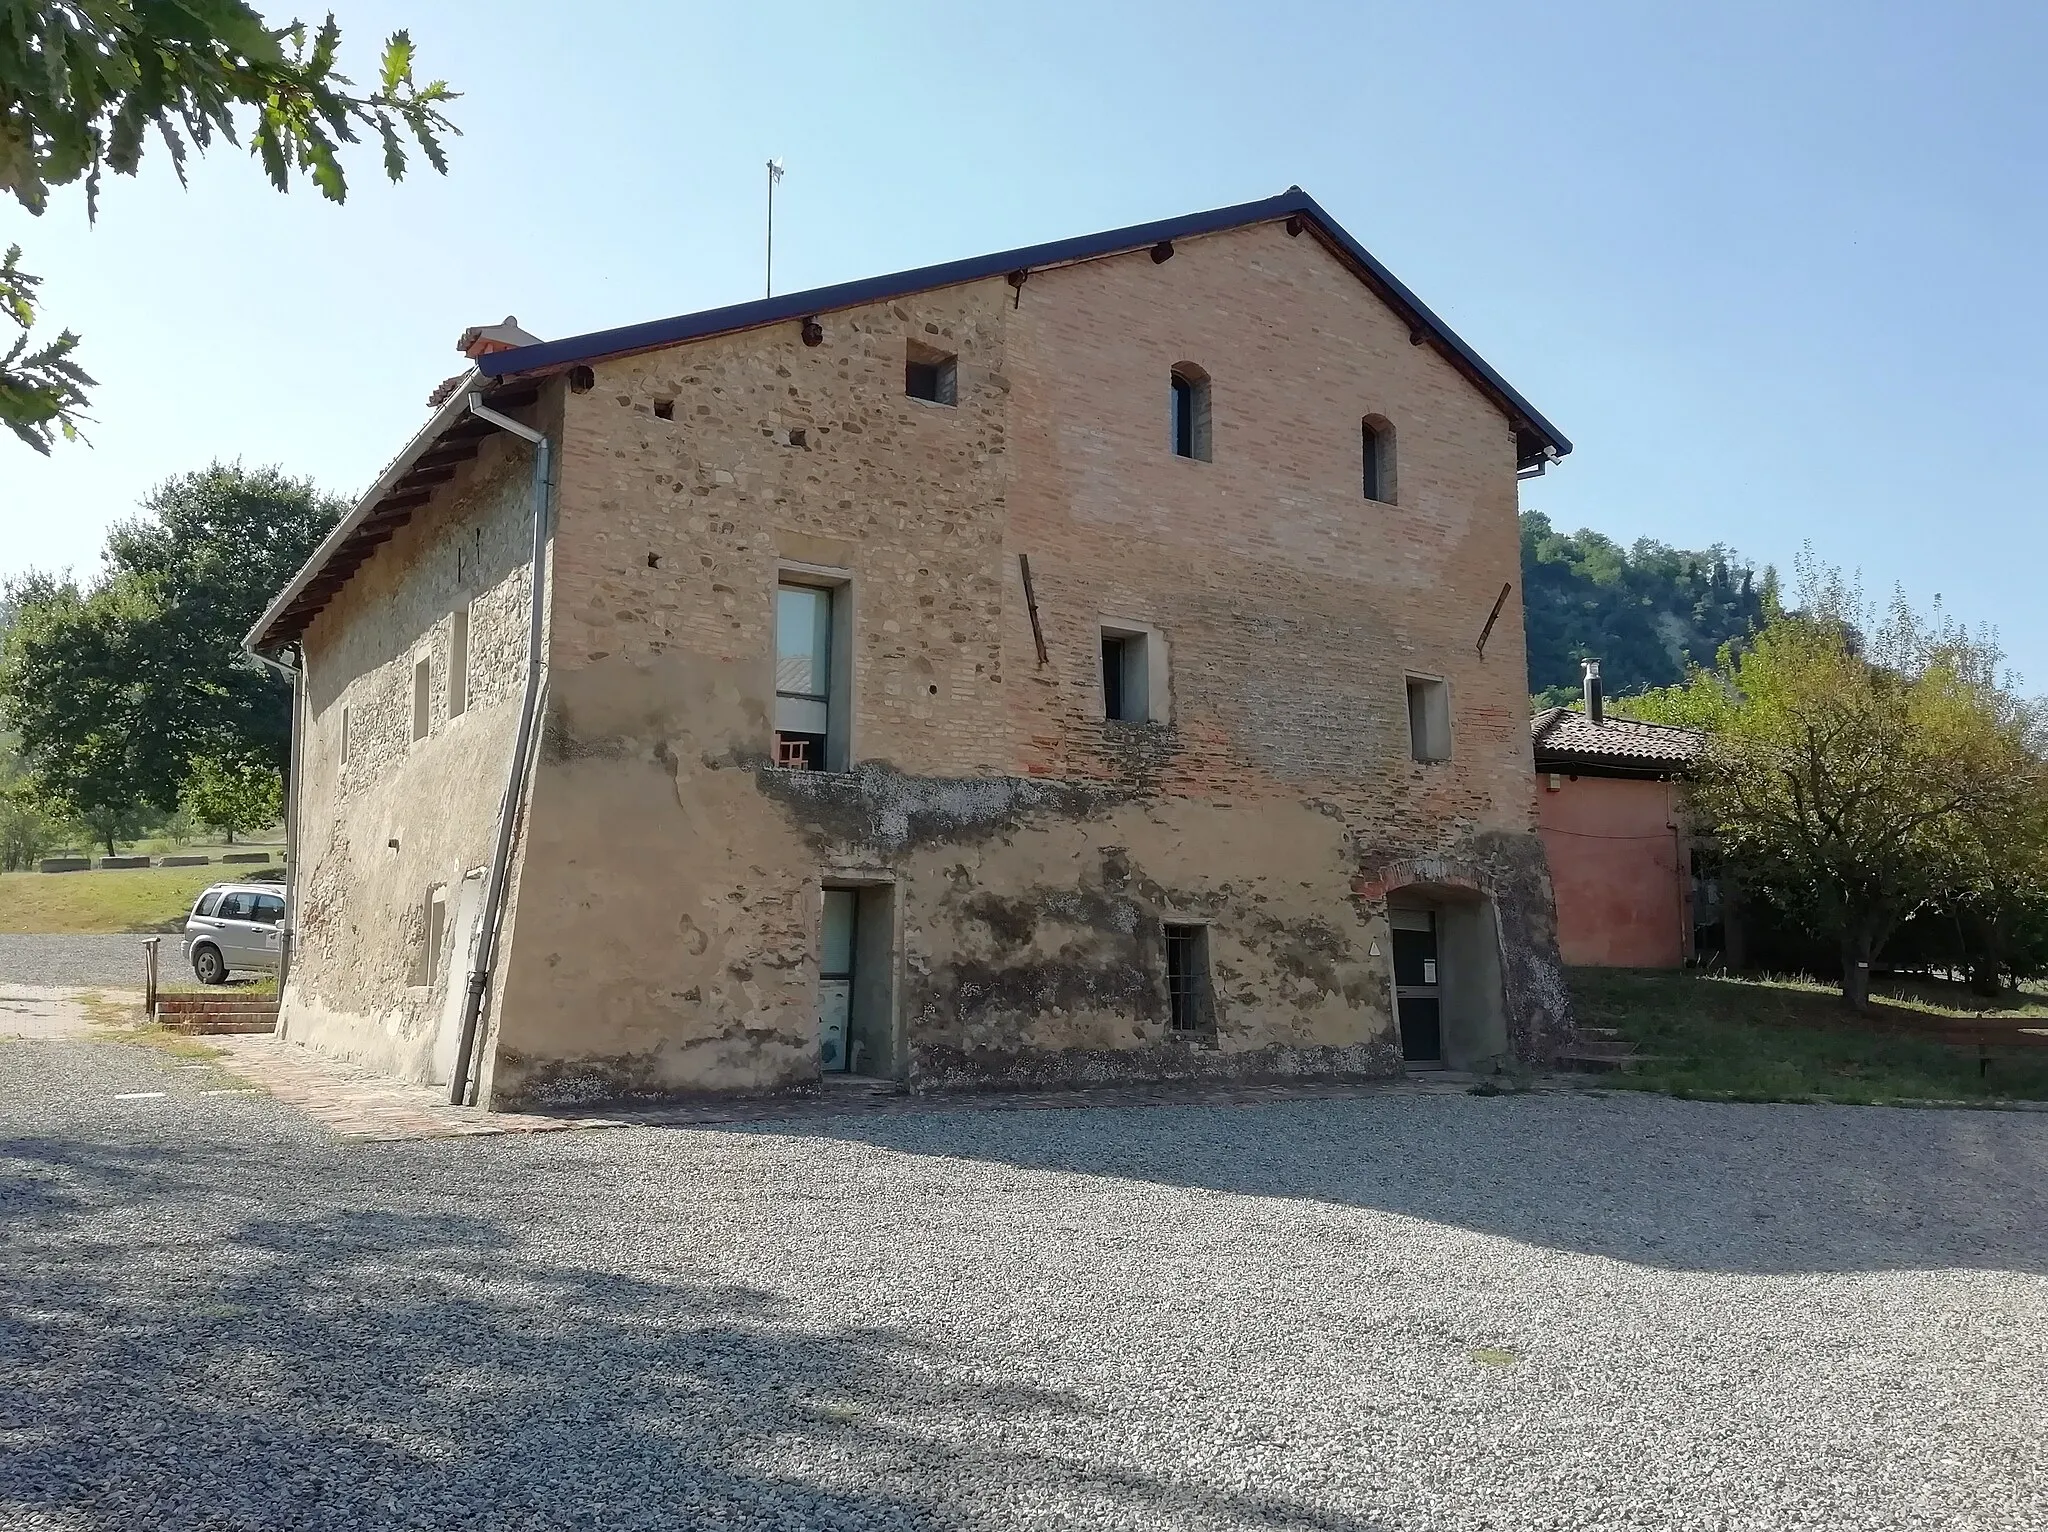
288 938
522 747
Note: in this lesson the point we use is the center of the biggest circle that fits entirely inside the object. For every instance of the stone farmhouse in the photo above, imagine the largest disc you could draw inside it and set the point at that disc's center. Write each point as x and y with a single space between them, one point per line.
1098 662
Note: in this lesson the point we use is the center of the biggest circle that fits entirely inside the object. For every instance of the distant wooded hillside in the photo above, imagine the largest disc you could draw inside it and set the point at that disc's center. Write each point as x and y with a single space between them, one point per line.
1644 612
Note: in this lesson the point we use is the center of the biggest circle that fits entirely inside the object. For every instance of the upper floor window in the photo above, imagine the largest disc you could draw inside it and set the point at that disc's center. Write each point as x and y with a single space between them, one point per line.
1376 441
422 700
810 691
930 374
1134 674
1188 402
1429 719
458 662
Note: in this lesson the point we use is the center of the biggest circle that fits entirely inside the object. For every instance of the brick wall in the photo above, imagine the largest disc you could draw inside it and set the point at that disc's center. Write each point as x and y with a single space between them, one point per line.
1032 849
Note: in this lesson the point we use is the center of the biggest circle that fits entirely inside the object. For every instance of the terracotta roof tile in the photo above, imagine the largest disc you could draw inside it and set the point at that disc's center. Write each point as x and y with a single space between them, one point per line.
1566 736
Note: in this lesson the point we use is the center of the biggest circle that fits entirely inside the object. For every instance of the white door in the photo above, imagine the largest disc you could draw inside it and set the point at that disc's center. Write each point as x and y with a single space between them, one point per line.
835 979
460 945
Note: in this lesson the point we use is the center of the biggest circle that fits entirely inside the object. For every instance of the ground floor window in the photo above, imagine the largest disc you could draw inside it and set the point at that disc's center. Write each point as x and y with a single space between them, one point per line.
1187 978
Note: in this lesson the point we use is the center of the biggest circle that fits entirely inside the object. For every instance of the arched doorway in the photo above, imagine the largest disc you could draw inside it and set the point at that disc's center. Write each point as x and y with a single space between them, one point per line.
1448 1001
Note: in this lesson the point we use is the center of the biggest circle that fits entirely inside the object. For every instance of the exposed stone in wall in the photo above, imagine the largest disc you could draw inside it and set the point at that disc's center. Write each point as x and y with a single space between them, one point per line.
881 811
403 816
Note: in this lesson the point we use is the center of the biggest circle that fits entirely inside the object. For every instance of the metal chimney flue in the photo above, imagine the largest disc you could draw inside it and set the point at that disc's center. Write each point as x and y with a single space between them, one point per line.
1596 698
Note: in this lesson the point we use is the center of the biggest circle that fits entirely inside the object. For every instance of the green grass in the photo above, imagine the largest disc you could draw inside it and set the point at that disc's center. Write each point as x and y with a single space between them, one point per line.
135 899
1777 1039
173 977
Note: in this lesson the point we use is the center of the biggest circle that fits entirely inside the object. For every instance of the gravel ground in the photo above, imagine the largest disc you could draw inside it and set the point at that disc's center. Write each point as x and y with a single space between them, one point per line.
82 960
1404 1312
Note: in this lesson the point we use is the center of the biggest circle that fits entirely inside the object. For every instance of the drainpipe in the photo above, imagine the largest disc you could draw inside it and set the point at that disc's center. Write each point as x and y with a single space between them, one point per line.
295 672
522 748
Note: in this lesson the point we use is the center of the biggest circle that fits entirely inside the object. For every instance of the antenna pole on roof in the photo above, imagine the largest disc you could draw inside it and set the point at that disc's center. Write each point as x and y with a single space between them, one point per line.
774 175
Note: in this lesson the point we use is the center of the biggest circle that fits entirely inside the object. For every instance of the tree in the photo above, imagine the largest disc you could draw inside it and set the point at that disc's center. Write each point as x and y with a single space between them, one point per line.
114 690
1858 770
65 687
212 548
83 84
28 830
231 795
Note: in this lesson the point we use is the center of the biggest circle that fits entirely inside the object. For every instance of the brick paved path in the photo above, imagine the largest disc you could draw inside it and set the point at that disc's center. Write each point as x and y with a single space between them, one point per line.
358 1104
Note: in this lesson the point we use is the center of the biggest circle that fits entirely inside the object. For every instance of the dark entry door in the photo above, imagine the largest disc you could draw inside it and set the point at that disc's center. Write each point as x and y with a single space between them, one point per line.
1416 996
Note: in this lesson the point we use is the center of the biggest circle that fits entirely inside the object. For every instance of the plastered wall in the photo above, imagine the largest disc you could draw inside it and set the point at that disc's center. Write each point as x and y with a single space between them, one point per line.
378 831
1622 891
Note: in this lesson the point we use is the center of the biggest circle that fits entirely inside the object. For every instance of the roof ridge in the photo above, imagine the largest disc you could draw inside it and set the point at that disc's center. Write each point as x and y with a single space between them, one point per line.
1536 437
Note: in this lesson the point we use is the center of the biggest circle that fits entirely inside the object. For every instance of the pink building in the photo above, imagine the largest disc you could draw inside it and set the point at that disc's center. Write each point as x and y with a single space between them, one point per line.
1620 855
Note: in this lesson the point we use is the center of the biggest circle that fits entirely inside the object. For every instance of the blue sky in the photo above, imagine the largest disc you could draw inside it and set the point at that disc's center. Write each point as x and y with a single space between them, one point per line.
1775 268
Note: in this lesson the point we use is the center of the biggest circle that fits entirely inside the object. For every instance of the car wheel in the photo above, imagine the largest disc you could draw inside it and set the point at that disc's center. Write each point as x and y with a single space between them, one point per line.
206 962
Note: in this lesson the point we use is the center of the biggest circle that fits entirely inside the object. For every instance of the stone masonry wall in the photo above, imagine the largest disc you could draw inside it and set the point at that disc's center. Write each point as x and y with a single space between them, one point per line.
400 816
1033 848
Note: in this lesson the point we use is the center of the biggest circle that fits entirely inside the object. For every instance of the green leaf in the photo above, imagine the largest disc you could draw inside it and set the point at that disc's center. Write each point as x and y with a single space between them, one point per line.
397 70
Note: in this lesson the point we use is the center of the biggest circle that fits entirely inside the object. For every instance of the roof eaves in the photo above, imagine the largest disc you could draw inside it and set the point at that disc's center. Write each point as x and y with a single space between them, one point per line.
1294 202
448 414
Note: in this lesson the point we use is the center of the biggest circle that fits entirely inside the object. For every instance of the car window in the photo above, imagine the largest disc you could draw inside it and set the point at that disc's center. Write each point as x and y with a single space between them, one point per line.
208 903
269 909
237 907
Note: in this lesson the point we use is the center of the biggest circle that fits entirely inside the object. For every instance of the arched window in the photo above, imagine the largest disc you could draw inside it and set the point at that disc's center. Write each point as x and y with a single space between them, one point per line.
1188 414
1376 442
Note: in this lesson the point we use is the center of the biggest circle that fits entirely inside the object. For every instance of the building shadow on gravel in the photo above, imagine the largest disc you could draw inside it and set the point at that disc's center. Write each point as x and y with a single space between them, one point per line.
179 1349
1672 1184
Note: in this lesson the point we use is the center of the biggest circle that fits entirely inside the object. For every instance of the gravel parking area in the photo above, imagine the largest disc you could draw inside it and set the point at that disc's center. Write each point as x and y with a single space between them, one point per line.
1400 1312
73 961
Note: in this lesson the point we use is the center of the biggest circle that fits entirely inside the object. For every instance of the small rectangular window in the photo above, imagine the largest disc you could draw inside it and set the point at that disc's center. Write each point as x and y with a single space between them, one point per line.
805 678
1126 676
458 663
1188 412
1187 979
930 374
1429 719
422 700
1376 441
433 935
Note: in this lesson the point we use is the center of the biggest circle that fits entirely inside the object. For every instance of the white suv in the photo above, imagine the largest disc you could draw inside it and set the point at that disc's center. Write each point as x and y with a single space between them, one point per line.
234 925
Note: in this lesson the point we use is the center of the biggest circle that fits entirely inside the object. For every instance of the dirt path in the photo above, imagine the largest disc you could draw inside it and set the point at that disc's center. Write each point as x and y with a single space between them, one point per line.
28 1010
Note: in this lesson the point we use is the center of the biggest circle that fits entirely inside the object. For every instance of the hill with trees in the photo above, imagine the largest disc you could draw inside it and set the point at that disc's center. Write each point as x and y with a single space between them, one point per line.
1646 612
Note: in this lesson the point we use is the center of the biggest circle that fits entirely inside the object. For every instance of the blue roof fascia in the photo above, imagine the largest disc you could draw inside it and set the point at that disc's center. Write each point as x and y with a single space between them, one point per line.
765 311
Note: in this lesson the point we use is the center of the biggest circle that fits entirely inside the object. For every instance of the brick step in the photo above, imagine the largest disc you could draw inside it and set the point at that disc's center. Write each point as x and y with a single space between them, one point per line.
207 1004
217 1026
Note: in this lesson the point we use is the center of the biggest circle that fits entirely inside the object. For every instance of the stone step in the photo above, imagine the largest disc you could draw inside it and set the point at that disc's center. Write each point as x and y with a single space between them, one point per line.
1595 1057
1600 1034
858 1085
